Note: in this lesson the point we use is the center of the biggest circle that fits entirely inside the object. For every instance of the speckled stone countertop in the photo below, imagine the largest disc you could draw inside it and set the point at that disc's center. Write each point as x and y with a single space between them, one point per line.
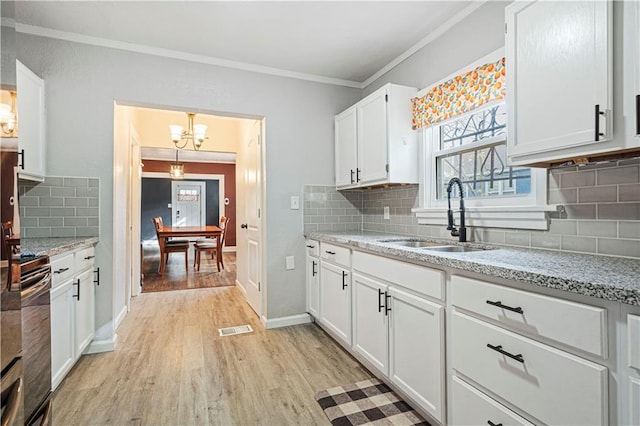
610 278
54 246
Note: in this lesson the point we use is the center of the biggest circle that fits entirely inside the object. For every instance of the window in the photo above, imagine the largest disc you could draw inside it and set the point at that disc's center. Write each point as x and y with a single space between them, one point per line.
472 146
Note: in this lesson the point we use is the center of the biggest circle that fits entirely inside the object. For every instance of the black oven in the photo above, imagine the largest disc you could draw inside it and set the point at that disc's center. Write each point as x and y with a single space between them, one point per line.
35 284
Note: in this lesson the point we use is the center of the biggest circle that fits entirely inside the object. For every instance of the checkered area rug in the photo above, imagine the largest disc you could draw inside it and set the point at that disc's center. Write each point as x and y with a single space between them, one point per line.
367 402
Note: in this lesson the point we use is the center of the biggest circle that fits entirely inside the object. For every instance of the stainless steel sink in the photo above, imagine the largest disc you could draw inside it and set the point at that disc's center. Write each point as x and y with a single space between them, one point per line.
454 249
411 243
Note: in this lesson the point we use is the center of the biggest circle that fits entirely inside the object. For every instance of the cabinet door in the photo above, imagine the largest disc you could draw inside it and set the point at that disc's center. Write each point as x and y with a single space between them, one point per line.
30 89
335 301
62 331
372 138
559 66
370 325
313 286
631 70
84 294
416 350
346 147
634 401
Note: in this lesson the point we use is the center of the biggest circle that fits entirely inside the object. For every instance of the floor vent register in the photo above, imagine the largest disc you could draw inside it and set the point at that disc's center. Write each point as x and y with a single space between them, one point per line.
232 331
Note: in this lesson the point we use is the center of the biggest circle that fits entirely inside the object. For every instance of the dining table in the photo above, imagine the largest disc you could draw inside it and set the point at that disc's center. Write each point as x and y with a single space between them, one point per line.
212 231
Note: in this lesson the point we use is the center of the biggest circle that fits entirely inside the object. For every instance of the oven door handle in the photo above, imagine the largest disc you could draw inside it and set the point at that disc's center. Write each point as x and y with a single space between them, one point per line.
42 285
13 404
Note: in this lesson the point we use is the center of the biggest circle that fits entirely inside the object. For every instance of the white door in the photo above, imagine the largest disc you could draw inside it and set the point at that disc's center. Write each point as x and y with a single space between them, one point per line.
559 69
313 283
346 146
248 236
335 301
135 181
416 350
370 314
188 203
372 138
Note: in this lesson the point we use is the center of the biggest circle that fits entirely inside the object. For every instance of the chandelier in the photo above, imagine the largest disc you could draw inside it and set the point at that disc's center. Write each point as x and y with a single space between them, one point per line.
176 170
8 119
195 133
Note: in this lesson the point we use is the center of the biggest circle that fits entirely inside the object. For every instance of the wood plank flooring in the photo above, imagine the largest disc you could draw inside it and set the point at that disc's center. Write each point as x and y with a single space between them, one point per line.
171 367
176 278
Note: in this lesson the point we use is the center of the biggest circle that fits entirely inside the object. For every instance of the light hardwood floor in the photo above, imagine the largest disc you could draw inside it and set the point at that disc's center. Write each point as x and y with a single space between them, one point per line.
170 367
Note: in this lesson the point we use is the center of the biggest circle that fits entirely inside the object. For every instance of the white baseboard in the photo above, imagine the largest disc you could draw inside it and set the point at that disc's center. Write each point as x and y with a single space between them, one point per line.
285 321
241 287
105 345
229 249
120 317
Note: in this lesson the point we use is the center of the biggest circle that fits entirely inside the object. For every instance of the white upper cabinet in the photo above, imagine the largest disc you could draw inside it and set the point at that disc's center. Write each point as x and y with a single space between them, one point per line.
31 124
346 148
559 80
631 70
374 142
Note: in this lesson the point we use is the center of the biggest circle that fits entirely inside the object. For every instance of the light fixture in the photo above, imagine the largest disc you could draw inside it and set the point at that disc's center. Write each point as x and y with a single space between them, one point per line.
8 116
177 169
195 133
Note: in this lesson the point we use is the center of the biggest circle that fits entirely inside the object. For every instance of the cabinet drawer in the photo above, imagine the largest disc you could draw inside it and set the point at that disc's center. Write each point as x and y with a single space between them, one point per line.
423 280
62 268
313 248
633 340
85 258
553 386
579 326
336 254
469 406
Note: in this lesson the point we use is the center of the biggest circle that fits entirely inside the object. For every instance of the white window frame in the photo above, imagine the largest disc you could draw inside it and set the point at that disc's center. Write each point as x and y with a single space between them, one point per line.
516 212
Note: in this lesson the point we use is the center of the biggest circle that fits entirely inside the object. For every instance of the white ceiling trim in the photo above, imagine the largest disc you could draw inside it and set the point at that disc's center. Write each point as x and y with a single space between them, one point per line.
174 54
428 39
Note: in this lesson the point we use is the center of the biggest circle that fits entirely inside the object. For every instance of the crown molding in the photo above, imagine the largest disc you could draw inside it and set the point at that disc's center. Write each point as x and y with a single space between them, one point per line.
174 54
425 41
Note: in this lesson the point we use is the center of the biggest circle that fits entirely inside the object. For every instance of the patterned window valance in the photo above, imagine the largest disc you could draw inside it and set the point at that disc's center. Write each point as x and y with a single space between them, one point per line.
461 94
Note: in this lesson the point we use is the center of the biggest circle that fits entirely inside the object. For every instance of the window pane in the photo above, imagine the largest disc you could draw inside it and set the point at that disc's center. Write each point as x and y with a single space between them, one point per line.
487 123
483 172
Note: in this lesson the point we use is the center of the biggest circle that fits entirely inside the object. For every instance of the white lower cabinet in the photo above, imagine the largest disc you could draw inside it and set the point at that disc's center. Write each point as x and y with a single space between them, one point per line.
416 349
72 310
370 321
62 324
551 385
85 311
313 278
335 301
472 407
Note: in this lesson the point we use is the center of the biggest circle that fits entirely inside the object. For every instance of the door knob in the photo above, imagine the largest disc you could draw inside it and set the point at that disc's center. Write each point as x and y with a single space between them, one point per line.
243 226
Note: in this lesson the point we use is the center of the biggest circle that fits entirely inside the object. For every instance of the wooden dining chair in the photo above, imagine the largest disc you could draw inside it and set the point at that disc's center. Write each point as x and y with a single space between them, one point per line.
211 245
171 246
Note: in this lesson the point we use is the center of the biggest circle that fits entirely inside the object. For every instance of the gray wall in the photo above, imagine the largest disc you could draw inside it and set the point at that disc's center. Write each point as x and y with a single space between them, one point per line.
82 83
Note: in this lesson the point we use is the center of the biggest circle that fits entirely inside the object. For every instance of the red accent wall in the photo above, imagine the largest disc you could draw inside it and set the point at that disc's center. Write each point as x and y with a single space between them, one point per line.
229 172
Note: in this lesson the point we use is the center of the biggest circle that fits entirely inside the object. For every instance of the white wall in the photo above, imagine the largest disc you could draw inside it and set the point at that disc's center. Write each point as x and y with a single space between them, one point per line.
475 36
82 83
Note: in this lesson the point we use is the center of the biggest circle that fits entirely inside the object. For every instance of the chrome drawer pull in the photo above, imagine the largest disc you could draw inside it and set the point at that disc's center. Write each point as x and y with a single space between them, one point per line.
498 348
61 270
508 308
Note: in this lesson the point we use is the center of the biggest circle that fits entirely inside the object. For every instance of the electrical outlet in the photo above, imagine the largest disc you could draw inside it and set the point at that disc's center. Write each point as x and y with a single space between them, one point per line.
386 212
290 262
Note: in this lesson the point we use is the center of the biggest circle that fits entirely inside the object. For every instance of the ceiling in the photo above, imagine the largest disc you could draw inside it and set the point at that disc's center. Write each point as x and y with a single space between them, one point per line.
340 42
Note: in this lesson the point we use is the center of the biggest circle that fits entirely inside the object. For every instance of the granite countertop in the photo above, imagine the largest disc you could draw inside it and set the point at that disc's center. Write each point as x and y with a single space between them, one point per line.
609 278
54 246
